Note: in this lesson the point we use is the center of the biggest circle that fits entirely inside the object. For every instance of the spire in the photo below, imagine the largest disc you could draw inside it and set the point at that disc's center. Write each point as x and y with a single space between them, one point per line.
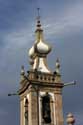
38 31
40 49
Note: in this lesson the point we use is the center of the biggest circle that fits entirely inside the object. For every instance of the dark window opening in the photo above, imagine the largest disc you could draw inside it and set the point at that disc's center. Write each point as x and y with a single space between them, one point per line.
46 112
26 112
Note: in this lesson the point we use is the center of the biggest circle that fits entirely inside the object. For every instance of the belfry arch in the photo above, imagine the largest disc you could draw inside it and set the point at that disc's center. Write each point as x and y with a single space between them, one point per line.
26 111
46 108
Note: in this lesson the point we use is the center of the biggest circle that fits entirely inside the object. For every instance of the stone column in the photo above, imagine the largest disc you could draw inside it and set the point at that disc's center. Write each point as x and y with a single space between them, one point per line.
58 107
33 109
21 111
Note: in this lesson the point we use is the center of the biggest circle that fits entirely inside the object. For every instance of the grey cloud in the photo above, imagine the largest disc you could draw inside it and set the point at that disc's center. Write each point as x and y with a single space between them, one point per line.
71 22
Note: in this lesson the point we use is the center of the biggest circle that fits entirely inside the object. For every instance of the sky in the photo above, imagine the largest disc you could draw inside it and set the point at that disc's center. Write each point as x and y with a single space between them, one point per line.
62 22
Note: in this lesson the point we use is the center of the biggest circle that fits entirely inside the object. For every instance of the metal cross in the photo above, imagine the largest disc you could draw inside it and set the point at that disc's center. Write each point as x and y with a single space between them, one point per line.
38 13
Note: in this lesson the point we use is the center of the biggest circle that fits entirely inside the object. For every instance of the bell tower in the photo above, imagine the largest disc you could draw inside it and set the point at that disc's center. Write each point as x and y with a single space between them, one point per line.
40 88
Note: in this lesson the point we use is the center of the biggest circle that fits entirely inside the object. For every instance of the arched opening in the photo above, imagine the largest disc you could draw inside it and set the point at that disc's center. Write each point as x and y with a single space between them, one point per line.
26 111
46 109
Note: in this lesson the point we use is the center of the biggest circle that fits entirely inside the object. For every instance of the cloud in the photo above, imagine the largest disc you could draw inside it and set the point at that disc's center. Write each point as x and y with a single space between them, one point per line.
71 21
13 54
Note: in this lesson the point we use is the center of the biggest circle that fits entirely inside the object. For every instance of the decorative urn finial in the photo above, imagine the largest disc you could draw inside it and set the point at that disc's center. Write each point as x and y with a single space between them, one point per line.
58 66
22 70
70 119
22 74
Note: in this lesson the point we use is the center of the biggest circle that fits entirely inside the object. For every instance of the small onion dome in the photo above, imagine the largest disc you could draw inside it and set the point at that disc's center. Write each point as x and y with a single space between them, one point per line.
32 52
43 48
70 119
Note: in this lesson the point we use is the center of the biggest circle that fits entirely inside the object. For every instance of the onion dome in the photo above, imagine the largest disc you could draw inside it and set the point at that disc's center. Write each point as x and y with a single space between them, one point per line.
32 52
39 50
70 119
43 48
39 47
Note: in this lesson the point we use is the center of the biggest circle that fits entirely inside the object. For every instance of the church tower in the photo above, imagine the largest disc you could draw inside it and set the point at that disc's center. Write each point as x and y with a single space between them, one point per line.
40 88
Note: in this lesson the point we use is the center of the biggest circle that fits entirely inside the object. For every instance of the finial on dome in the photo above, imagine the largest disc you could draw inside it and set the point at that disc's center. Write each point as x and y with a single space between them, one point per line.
38 15
38 19
58 66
